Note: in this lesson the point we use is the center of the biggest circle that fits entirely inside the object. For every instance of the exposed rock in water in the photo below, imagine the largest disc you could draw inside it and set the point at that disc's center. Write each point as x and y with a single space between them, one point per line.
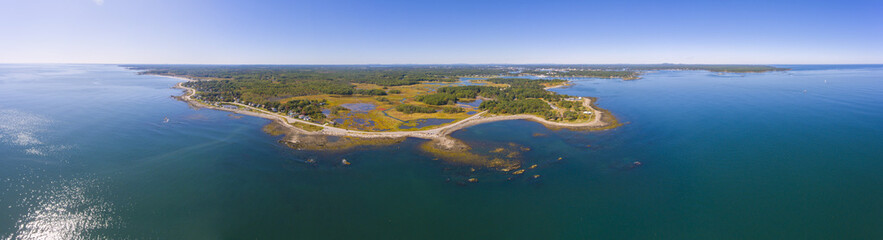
274 129
455 151
322 142
450 144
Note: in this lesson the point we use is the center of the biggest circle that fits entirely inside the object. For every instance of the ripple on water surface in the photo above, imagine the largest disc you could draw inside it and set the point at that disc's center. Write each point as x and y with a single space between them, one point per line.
23 131
66 209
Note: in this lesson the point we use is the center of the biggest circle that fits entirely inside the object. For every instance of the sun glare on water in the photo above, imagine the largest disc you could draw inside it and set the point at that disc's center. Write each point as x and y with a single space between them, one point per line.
64 211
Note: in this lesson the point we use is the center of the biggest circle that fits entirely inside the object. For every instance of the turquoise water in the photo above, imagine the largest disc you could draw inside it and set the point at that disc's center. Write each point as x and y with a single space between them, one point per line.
85 153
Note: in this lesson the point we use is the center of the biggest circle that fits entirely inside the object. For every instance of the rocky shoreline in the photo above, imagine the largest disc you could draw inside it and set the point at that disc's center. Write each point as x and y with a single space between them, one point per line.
331 138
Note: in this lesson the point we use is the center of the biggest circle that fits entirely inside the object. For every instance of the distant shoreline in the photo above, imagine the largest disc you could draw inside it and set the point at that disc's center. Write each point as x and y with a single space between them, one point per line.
439 135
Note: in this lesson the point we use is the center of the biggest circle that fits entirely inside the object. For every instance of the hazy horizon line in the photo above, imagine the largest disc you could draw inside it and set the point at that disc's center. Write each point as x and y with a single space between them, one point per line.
369 64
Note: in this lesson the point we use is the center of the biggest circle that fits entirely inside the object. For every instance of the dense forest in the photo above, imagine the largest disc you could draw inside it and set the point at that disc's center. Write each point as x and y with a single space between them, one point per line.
520 88
522 95
518 106
381 75
262 83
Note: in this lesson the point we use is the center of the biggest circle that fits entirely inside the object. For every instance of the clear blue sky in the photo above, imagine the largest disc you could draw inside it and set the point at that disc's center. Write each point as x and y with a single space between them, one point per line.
450 31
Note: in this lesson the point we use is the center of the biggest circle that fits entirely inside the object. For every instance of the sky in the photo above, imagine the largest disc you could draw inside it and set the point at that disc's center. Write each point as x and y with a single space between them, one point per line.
441 32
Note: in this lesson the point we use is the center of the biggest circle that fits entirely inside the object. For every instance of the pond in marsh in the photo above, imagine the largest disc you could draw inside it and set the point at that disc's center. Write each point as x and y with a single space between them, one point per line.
474 104
359 107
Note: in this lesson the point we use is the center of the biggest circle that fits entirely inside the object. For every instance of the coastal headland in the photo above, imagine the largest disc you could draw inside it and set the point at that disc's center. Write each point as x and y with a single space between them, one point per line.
316 138
340 107
306 135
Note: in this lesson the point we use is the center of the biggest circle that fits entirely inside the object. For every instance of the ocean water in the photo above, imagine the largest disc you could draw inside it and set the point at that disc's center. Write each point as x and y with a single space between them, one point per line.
85 154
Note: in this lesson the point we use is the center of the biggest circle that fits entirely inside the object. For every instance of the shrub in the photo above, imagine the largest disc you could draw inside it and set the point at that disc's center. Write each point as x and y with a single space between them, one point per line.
409 109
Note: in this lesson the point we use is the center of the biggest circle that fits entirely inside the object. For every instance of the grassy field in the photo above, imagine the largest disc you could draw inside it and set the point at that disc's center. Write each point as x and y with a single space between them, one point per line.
308 127
384 116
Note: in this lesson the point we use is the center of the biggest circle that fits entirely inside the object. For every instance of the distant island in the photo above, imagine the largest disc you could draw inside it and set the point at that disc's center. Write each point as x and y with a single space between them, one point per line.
337 107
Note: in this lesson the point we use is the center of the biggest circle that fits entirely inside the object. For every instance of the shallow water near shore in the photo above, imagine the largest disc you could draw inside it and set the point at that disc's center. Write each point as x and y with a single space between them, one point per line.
85 153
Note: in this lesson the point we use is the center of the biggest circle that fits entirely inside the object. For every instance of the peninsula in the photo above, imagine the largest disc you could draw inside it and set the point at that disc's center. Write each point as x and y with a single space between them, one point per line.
336 107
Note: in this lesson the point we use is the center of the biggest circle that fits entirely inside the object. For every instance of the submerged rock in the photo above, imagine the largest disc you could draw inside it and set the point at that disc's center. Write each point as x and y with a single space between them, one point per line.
533 166
473 180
